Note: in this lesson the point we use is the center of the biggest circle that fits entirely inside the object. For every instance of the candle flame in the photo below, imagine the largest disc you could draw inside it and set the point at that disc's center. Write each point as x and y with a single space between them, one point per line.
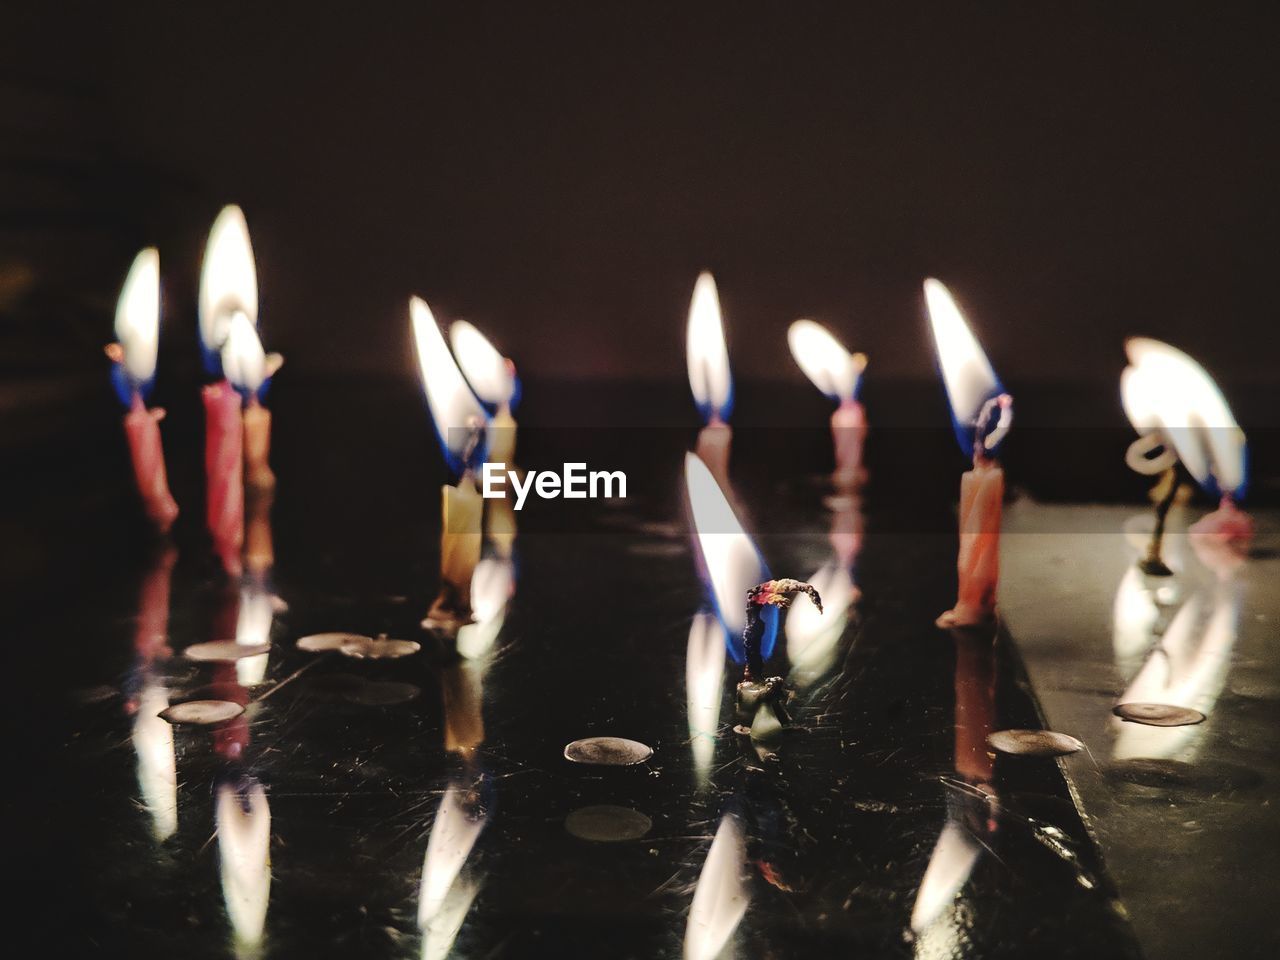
730 559
706 353
966 372
720 898
228 278
454 409
813 635
490 375
138 317
1165 392
243 360
832 369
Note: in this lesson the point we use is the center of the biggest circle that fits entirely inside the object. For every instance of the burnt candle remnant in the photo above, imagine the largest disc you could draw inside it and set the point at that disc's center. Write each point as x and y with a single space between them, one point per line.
754 693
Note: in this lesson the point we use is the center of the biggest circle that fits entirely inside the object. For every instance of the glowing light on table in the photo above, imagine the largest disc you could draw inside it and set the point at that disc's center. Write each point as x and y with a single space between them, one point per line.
730 561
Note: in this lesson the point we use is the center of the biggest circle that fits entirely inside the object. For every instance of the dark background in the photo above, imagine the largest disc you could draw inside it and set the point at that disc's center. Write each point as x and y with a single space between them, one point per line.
558 173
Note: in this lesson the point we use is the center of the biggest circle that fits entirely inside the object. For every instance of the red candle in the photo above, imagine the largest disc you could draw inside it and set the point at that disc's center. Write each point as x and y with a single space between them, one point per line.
142 429
978 564
224 472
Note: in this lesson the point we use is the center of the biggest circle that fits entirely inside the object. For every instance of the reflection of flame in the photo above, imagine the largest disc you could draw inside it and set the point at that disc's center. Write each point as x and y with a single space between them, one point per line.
1134 617
243 359
487 370
1166 392
253 626
1181 673
720 898
492 585
157 763
731 561
706 354
704 689
813 638
244 846
454 408
967 373
228 278
952 860
832 369
138 316
455 831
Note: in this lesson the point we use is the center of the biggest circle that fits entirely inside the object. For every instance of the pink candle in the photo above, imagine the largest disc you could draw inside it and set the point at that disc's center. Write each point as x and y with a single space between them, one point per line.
848 432
142 429
978 564
712 448
224 472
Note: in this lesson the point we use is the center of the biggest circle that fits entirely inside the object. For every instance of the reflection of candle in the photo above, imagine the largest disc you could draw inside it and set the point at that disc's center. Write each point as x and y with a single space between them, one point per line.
460 425
493 378
138 334
838 374
982 413
709 377
1182 416
975 705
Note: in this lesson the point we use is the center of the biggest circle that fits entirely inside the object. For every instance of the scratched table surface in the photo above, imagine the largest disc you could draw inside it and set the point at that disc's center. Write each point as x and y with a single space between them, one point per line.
423 806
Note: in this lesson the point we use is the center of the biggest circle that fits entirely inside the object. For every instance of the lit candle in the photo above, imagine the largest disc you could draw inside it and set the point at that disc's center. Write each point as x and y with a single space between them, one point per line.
460 425
134 354
233 353
709 377
982 413
493 379
1182 416
838 374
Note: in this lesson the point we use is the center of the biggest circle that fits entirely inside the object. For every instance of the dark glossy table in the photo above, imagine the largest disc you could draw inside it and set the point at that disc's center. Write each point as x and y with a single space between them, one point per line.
423 806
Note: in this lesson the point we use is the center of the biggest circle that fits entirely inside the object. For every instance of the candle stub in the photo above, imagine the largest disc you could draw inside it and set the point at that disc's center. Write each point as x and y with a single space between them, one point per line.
201 712
1033 743
608 751
224 650
1158 714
